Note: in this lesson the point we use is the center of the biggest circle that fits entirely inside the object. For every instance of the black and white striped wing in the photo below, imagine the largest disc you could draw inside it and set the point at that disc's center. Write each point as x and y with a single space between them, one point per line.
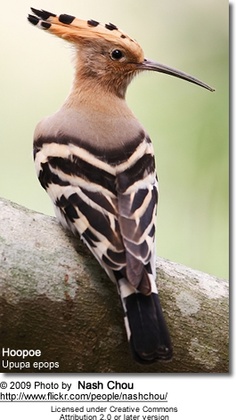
83 191
112 207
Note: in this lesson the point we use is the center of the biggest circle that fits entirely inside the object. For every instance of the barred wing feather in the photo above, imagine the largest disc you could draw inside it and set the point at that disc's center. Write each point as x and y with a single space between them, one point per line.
112 207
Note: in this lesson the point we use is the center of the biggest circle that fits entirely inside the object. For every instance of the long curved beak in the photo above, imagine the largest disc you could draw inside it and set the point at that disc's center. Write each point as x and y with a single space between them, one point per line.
161 68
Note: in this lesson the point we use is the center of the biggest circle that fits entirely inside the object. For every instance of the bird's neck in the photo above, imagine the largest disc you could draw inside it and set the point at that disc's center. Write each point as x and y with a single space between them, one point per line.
89 93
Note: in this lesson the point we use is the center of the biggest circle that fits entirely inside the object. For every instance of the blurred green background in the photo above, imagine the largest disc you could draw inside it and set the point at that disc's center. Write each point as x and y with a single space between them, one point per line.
188 125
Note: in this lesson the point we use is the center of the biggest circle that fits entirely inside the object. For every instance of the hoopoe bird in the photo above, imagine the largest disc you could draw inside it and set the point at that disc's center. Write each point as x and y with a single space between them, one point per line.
96 162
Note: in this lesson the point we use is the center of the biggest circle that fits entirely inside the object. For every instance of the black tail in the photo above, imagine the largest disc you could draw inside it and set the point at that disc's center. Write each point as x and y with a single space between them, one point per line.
149 337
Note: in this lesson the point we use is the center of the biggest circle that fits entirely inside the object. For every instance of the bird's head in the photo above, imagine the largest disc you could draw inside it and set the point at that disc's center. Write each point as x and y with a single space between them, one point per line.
103 52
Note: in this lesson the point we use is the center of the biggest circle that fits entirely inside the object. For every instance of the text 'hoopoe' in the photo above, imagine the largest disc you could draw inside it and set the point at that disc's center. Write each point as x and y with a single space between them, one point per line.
96 162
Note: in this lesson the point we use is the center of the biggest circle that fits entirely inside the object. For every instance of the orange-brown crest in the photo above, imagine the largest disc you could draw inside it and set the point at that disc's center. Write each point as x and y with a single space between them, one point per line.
78 31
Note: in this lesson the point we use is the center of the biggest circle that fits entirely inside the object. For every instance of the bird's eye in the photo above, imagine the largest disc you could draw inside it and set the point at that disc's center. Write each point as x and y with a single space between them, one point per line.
117 54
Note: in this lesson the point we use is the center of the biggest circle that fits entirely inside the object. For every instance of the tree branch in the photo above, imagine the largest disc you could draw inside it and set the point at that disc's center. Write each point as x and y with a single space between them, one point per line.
55 297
